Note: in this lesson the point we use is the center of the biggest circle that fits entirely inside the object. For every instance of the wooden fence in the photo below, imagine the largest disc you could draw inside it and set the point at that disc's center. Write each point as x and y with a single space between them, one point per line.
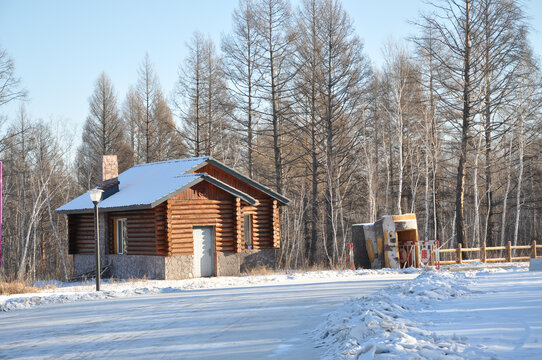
483 251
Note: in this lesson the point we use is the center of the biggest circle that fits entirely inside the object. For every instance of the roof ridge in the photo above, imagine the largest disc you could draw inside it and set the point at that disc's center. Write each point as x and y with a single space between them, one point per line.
190 174
173 161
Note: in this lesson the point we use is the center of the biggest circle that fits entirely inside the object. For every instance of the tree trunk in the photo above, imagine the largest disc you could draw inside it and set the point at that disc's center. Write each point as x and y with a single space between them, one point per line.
489 237
465 137
506 192
520 179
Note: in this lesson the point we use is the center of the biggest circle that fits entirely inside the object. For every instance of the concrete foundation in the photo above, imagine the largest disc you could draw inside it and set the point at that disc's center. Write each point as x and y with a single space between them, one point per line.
83 264
134 266
250 259
173 267
122 266
179 267
227 264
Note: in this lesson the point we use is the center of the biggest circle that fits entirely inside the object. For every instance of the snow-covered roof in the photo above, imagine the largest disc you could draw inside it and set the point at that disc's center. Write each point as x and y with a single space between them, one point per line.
147 185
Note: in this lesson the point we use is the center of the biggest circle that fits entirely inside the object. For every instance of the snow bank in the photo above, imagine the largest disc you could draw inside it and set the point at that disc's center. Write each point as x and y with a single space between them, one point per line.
384 325
63 292
535 265
487 267
25 301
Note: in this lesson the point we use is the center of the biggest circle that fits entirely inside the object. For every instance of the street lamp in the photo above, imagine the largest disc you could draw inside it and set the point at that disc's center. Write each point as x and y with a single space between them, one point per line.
96 196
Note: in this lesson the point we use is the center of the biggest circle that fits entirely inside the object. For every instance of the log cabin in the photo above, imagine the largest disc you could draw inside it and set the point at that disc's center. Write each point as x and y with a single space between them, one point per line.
175 219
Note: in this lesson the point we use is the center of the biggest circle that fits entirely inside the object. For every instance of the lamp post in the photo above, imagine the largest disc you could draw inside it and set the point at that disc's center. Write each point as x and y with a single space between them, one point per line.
96 196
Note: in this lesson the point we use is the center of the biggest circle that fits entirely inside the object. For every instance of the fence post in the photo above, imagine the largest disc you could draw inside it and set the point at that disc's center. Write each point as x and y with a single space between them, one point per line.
533 254
509 251
484 254
459 254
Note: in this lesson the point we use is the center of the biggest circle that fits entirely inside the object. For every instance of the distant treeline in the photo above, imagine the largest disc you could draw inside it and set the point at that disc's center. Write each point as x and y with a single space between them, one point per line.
448 128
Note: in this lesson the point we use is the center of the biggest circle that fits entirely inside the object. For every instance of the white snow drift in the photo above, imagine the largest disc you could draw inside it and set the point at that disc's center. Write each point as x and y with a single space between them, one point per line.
442 315
382 325
64 292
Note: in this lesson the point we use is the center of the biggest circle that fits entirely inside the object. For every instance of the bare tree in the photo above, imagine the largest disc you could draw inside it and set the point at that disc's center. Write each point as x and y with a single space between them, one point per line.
10 84
217 106
151 131
427 46
504 35
189 94
457 28
147 90
241 56
276 48
506 191
525 108
309 74
133 115
399 73
168 145
345 75
104 133
201 97
35 180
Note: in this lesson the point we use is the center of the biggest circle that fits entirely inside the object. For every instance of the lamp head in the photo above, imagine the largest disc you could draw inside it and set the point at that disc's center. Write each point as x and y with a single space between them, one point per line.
95 195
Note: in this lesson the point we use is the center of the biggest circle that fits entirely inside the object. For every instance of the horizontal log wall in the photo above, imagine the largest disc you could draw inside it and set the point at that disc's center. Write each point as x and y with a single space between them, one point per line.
266 230
202 205
142 231
262 224
81 234
183 215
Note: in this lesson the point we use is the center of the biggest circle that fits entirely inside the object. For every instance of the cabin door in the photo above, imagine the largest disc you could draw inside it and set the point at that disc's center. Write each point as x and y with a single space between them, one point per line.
204 251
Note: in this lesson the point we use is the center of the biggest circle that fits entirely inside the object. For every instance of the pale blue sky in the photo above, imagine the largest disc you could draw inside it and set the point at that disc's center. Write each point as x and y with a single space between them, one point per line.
60 47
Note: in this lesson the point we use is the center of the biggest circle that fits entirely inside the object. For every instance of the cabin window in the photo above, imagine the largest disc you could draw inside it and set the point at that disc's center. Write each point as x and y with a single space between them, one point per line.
120 236
248 231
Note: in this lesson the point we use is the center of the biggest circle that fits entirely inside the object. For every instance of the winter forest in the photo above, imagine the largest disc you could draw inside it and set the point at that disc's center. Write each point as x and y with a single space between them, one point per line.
448 128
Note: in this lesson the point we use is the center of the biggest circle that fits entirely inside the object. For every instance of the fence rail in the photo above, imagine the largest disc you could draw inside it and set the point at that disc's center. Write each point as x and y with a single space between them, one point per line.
483 251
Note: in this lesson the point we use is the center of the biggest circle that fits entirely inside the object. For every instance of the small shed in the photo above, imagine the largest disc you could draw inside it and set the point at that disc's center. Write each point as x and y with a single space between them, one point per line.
390 242
176 219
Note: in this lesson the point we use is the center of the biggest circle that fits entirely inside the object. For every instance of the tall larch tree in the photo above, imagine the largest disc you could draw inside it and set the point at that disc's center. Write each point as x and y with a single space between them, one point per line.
345 76
103 134
457 28
147 90
308 47
276 48
504 35
241 56
201 98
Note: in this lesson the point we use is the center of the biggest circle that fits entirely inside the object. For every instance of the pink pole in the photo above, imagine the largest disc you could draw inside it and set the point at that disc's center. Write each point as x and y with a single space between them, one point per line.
0 213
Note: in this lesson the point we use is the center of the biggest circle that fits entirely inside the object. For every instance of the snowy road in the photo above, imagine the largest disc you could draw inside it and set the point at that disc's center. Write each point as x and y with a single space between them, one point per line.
505 317
235 323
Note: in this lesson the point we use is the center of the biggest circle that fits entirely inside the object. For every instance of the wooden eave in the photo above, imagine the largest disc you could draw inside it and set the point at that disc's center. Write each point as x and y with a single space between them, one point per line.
210 161
229 189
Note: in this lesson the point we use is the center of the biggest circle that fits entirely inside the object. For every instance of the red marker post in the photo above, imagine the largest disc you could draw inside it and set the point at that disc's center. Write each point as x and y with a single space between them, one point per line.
350 257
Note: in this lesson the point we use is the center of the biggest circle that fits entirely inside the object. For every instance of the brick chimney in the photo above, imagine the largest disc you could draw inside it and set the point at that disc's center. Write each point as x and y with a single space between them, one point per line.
109 176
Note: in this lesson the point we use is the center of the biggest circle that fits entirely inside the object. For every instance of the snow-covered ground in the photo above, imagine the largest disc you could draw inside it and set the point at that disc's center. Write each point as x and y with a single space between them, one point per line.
455 313
53 292
486 313
251 317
